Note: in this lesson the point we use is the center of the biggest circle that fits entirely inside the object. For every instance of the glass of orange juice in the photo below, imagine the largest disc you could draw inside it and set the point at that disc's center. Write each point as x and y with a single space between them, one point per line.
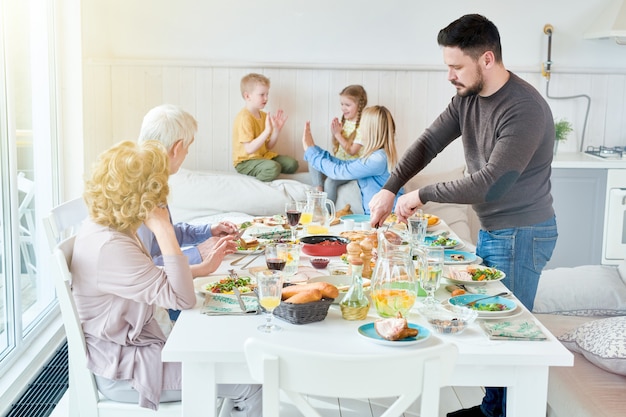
270 288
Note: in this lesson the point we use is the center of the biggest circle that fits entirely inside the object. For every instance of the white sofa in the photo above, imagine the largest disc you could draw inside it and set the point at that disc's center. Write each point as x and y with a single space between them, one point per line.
206 196
585 307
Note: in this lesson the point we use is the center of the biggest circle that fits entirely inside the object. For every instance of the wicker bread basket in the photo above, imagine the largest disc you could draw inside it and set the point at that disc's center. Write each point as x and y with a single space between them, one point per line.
304 313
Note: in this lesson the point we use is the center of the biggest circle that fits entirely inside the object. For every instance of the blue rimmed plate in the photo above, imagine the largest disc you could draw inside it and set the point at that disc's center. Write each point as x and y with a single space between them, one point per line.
451 257
358 218
509 306
369 332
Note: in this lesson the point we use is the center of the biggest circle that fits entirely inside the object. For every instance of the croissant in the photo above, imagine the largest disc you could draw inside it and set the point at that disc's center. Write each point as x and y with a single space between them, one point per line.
340 213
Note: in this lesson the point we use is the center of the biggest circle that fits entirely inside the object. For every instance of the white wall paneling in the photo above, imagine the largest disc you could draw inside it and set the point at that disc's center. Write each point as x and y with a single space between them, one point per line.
119 93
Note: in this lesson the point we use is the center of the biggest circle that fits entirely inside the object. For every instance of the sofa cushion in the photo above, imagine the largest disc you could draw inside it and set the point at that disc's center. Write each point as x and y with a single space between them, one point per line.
589 290
196 194
602 342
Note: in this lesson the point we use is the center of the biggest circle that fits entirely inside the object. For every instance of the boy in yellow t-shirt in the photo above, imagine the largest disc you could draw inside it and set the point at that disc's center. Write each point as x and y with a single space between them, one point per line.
255 132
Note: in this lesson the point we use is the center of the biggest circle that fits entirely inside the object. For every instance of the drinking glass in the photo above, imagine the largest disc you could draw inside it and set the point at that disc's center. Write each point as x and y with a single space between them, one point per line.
273 260
290 254
418 224
431 277
269 288
293 210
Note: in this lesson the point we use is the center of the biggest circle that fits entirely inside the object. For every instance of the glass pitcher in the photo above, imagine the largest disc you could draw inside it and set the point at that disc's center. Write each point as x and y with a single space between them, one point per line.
320 210
394 284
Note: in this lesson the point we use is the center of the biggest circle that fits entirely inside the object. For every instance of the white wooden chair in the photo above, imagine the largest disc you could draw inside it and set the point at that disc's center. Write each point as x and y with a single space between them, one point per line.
64 220
405 373
27 225
84 398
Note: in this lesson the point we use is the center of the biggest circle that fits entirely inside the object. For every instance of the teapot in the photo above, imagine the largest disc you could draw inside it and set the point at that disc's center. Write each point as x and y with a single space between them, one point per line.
319 210
394 283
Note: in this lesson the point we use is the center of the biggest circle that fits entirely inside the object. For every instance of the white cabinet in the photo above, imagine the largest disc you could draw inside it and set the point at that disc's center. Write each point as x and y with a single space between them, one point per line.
579 202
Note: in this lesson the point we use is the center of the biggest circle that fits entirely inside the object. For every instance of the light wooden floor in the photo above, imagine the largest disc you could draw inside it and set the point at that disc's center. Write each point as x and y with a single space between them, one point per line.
452 398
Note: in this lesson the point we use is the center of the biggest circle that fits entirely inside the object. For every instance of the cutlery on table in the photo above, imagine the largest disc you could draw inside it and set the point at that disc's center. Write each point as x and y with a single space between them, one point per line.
253 259
471 303
234 276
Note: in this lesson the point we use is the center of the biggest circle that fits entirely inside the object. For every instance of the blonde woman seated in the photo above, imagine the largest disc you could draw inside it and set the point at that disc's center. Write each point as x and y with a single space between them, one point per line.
117 286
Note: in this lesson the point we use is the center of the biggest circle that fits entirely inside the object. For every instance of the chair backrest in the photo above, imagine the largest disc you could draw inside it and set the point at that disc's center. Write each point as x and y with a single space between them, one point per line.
64 220
84 397
405 373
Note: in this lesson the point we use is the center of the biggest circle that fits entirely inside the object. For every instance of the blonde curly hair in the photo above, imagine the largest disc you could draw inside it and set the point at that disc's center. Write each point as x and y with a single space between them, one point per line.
127 182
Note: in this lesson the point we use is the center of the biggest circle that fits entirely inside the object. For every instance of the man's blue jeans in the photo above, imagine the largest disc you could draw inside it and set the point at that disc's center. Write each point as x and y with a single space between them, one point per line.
521 253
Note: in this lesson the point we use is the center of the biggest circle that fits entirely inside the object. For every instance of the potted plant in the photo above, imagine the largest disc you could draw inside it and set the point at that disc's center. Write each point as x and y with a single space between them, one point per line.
562 128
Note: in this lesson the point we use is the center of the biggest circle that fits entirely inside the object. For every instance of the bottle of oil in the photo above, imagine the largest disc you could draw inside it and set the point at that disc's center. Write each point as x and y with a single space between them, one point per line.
355 305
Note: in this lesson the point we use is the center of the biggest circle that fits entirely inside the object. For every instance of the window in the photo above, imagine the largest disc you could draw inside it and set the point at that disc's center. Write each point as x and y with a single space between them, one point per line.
27 136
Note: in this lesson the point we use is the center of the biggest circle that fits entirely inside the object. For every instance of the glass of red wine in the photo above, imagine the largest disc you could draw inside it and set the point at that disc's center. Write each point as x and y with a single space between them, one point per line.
293 210
272 260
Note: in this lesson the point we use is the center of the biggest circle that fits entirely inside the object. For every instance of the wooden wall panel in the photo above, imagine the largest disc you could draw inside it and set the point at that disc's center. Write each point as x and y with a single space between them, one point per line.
118 94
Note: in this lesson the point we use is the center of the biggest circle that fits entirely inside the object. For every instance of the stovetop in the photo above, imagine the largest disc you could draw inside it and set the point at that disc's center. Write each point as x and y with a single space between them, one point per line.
616 152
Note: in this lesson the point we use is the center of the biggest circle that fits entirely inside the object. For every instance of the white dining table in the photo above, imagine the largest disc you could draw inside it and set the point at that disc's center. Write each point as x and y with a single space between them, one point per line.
210 349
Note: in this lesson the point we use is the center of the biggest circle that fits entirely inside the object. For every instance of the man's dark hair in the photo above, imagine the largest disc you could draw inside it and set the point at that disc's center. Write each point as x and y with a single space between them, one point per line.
474 35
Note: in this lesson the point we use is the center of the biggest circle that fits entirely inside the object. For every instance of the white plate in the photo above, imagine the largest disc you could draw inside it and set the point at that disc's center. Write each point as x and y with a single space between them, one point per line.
200 284
447 275
369 332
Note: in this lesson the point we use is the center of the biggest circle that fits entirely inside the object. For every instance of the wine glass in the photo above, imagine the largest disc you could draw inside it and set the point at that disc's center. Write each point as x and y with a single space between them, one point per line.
431 277
293 210
269 288
273 261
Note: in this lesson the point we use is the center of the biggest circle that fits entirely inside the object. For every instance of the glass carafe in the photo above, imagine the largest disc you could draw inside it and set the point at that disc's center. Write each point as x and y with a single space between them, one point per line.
394 284
321 210
355 305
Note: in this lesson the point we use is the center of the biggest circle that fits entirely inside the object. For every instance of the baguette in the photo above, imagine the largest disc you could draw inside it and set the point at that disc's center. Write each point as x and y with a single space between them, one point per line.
303 297
328 290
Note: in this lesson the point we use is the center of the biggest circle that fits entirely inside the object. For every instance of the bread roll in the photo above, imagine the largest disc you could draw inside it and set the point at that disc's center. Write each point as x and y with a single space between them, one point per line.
307 296
328 290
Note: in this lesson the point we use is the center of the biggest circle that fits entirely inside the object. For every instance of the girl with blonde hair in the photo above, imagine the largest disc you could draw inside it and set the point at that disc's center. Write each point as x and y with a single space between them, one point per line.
373 168
347 139
117 288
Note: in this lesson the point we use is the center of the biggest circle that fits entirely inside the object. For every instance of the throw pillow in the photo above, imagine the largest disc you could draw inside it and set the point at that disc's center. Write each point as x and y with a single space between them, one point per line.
602 342
588 290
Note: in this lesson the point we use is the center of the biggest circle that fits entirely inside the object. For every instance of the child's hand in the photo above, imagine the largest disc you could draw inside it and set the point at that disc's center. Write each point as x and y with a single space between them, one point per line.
335 127
307 137
278 120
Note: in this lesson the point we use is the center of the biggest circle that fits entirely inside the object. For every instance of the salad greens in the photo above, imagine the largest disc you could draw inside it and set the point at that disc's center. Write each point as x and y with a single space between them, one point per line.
226 285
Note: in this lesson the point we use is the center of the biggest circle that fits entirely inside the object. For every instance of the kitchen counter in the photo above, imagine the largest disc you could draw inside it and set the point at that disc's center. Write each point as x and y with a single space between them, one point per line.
583 160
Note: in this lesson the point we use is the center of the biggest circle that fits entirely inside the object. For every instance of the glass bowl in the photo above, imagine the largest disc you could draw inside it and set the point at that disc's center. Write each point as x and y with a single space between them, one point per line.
319 263
448 319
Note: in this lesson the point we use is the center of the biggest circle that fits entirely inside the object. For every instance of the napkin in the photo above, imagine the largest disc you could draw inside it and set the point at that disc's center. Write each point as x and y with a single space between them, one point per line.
227 304
513 330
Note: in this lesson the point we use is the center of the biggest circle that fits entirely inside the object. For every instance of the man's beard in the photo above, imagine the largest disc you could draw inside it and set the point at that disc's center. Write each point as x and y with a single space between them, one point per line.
471 90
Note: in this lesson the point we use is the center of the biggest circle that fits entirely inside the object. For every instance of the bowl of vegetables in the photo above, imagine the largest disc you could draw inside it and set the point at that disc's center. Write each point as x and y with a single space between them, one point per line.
473 274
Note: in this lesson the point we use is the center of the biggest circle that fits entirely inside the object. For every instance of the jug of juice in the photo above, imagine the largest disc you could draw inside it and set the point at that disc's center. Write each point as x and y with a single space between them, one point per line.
394 284
320 210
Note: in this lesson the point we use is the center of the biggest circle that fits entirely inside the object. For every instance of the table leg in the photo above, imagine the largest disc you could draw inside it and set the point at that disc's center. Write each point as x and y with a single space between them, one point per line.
199 390
529 396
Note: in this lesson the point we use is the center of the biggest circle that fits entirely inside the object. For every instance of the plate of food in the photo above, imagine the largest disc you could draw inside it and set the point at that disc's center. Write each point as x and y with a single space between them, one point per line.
224 285
432 220
369 332
487 307
444 241
455 257
472 274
